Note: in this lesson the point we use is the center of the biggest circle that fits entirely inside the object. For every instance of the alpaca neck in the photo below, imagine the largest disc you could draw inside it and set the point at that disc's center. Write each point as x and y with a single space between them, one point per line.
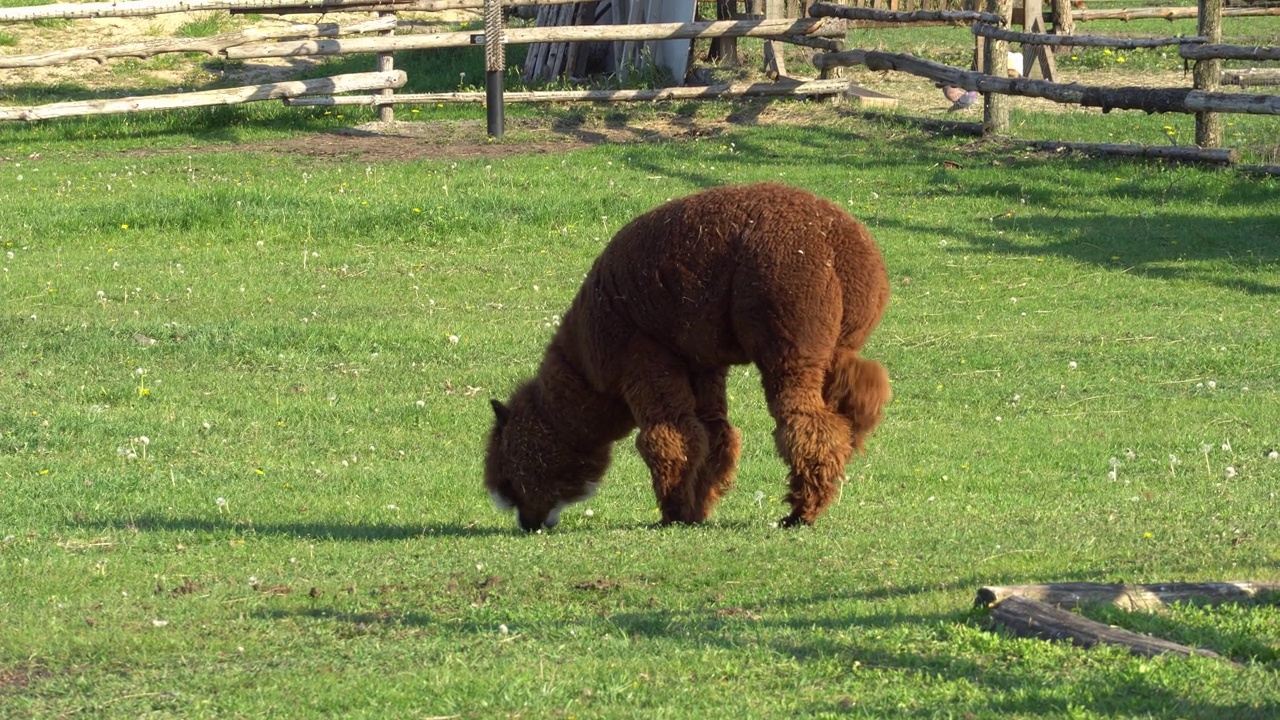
583 417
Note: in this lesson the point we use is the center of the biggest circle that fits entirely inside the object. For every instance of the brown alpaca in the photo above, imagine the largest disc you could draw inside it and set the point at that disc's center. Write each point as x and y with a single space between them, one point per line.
765 274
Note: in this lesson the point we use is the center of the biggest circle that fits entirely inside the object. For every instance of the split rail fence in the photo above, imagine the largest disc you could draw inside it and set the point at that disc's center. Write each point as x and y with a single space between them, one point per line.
378 36
1206 50
825 28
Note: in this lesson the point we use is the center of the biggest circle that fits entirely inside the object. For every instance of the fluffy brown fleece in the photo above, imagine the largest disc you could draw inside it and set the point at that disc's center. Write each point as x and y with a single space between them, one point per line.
765 274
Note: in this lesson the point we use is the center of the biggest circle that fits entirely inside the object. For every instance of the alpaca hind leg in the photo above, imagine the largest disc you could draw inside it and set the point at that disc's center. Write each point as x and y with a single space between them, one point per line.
724 442
814 441
672 441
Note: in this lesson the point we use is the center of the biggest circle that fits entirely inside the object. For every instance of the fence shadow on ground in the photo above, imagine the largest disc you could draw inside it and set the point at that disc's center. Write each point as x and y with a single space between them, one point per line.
336 531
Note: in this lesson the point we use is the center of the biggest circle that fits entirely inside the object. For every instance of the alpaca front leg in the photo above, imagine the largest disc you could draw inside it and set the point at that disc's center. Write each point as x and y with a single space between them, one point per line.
816 445
674 451
672 441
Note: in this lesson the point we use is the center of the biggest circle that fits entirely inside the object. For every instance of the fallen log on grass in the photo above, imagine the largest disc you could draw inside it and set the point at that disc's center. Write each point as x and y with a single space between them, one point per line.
1031 618
230 96
709 92
212 45
1126 597
1179 153
1150 100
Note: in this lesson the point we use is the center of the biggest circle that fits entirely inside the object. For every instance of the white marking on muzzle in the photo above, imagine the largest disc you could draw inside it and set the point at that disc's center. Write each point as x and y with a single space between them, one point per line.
501 502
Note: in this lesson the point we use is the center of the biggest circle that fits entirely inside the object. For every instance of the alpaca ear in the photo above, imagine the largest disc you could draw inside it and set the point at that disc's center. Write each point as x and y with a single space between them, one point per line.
501 412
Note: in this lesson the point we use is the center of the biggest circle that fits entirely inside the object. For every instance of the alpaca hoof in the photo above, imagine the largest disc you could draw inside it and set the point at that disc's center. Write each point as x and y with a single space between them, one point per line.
794 520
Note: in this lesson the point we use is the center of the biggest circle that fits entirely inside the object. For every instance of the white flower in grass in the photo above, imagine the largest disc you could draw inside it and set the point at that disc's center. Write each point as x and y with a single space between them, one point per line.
1129 454
503 629
1226 446
421 404
453 339
1072 365
589 512
1211 384
1273 455
1230 472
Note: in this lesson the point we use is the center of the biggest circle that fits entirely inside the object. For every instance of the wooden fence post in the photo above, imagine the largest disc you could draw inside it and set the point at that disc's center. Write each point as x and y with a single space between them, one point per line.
774 64
1207 74
387 63
995 62
1063 22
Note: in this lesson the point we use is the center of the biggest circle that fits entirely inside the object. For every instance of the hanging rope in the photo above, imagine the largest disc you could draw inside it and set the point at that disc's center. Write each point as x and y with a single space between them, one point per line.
495 36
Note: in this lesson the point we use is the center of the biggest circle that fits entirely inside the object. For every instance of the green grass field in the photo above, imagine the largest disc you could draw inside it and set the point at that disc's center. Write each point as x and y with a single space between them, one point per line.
244 395
243 399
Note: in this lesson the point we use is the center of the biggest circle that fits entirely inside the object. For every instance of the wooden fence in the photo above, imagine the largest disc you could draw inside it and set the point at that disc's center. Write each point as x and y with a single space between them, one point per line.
825 28
1203 99
375 36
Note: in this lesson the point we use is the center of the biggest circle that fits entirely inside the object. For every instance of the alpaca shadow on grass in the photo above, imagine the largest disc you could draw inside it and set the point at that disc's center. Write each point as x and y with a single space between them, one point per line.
335 531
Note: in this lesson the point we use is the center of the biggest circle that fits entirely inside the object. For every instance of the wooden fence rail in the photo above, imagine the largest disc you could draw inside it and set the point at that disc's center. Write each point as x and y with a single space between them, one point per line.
251 93
987 31
1182 100
215 45
571 33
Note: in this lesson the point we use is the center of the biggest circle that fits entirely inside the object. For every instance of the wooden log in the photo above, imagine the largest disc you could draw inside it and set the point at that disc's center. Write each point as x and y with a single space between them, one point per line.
386 64
212 45
1151 100
1228 52
844 58
1126 597
1206 73
1166 13
812 88
146 8
1031 618
995 62
825 9
988 31
230 96
1179 153
518 36
402 6
1251 77
1259 169
1063 23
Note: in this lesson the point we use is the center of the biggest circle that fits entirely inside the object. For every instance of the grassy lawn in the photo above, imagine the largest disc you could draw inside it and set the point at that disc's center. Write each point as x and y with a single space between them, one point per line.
243 398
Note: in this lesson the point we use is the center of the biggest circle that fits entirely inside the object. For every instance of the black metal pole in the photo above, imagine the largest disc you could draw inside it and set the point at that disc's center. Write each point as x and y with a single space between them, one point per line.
493 85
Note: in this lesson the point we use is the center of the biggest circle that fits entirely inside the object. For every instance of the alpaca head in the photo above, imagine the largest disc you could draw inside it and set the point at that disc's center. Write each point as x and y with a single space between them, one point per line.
530 469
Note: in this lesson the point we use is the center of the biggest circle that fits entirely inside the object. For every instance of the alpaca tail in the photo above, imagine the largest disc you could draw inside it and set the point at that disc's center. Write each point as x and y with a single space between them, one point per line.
857 389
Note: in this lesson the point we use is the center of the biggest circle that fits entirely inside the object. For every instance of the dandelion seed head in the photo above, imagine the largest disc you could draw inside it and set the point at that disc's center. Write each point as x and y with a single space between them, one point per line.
1230 472
1072 365
1226 446
220 502
1273 455
1211 384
